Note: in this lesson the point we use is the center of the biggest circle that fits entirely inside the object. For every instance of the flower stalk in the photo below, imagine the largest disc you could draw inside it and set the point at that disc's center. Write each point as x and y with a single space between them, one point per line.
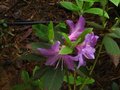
94 64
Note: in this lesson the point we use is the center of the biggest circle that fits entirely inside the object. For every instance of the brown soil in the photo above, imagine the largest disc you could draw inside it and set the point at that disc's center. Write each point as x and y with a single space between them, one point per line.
14 44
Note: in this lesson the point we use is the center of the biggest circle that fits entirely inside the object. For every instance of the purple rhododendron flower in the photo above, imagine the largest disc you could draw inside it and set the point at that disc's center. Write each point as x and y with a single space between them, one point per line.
86 49
91 39
54 58
76 29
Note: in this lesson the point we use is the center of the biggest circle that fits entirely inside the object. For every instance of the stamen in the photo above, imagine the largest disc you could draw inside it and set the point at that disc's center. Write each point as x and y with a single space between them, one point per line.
62 63
57 63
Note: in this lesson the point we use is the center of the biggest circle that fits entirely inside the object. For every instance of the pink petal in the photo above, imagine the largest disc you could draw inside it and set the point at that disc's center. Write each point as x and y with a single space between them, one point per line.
71 25
52 60
69 62
46 52
79 27
80 24
95 38
81 61
88 52
91 39
74 35
56 46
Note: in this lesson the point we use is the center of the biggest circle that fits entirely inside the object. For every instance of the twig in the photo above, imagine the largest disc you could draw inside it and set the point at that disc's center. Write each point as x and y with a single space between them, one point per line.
27 22
84 83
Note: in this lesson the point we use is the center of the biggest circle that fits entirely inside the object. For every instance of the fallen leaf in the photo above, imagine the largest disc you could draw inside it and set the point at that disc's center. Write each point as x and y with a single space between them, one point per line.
115 59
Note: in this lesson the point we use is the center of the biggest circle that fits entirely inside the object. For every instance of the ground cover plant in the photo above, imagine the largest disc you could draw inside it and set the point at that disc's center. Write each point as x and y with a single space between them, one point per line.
66 54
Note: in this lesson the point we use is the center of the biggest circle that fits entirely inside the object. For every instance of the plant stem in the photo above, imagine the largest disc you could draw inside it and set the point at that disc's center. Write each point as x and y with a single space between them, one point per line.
67 75
74 80
84 83
94 64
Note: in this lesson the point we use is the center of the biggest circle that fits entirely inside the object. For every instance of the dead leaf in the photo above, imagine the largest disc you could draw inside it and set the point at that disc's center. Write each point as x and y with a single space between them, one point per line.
115 59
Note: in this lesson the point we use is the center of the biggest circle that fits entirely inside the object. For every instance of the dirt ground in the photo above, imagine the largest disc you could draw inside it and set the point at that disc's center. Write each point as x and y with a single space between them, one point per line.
14 43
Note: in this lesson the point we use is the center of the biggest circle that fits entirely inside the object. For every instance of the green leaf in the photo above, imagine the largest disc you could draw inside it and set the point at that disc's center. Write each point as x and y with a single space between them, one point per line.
111 46
58 37
82 36
18 87
25 76
38 83
69 6
104 3
36 45
116 31
97 11
117 23
79 3
113 35
51 32
65 50
71 79
95 25
87 5
83 71
68 41
24 86
39 73
84 33
40 31
53 79
91 0
61 25
116 2
35 69
3 24
32 57
115 86
79 80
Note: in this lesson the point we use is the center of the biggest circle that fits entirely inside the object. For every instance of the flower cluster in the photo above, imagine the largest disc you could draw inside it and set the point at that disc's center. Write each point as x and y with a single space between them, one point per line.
84 50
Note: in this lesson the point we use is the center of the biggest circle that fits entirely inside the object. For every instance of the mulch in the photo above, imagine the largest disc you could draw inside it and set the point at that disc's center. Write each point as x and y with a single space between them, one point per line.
16 38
